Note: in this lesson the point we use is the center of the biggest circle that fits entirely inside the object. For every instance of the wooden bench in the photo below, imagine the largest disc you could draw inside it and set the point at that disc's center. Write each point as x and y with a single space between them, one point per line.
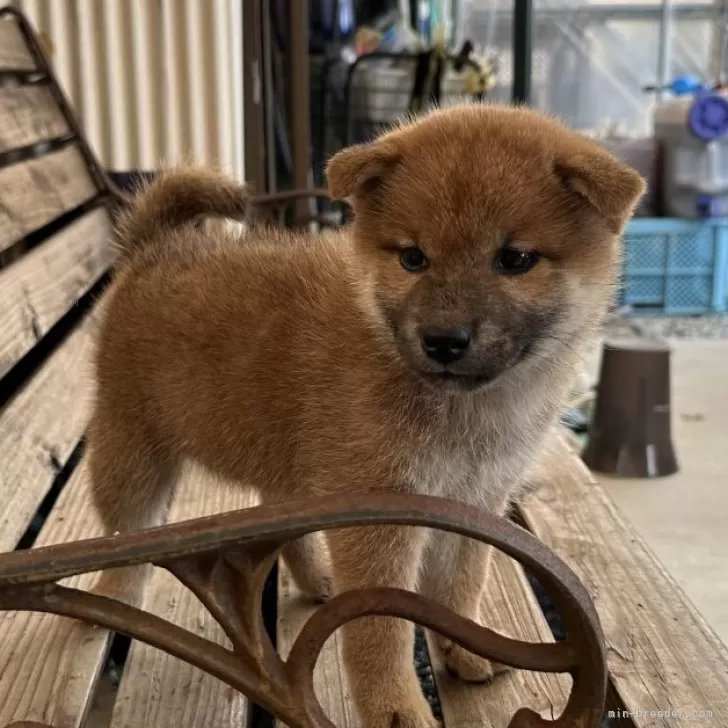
55 254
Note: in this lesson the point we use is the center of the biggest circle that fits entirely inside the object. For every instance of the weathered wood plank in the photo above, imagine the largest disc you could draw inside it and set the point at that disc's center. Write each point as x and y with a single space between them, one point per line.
10 230
43 285
510 608
35 192
157 689
28 115
662 655
49 665
39 428
330 681
14 54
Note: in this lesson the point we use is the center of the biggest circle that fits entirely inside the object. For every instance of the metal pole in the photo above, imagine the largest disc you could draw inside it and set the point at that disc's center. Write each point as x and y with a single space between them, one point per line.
268 91
664 59
522 50
300 101
718 41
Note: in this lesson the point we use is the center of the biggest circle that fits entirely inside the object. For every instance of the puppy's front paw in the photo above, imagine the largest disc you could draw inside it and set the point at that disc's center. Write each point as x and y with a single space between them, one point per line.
413 719
403 710
469 667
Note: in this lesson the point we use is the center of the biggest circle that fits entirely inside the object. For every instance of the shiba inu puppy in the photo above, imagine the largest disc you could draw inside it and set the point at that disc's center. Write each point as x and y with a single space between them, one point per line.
427 348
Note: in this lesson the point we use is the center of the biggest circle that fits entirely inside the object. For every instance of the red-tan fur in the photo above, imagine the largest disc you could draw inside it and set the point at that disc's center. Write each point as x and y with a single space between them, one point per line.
292 363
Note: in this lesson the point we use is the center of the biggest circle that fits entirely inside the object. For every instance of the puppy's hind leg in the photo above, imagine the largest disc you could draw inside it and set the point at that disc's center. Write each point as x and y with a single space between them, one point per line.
310 565
131 486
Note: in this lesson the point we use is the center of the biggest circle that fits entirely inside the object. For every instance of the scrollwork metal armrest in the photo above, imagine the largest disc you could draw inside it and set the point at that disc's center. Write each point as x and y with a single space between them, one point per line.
225 559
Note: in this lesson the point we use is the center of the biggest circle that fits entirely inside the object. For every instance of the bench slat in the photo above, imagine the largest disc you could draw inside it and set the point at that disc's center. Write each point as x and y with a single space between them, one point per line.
49 665
28 115
330 681
158 689
39 428
14 54
10 229
35 192
41 287
509 607
662 655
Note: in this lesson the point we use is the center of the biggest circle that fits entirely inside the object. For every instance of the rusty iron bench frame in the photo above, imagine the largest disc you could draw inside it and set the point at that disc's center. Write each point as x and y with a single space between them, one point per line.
225 560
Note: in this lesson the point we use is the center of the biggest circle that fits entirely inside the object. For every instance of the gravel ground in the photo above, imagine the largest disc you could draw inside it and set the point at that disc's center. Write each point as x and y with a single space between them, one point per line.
424 672
680 327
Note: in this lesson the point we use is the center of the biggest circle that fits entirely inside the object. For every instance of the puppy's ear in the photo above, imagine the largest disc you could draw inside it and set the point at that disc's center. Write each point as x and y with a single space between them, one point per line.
351 169
610 186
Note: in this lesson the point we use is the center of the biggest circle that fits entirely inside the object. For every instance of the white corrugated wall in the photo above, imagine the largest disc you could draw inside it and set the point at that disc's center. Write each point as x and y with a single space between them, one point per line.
152 81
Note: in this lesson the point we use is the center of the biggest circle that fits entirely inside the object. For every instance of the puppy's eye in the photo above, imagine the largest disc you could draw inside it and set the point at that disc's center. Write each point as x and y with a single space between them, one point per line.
413 259
513 262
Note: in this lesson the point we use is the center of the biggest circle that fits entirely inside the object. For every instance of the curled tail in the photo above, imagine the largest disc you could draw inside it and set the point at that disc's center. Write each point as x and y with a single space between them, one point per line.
176 197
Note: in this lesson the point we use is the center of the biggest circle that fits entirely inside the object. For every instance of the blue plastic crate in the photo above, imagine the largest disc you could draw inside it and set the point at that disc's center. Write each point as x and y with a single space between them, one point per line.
675 267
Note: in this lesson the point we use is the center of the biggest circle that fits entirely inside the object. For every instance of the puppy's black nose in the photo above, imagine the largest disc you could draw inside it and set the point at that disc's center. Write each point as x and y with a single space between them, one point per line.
445 345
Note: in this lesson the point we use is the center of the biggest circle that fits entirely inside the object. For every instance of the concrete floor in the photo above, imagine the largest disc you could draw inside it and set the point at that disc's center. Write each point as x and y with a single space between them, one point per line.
684 517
